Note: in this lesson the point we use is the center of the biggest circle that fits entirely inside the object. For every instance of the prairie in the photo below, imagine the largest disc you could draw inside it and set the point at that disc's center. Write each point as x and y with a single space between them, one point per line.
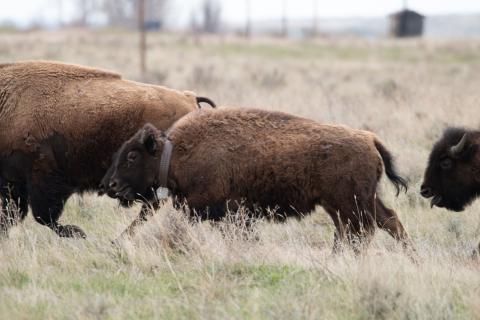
405 91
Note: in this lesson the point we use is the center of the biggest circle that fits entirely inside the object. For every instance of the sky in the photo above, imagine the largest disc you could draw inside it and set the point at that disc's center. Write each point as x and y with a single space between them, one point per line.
24 12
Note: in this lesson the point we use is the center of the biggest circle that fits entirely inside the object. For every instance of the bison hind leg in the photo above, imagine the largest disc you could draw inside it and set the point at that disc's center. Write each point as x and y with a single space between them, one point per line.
388 220
354 227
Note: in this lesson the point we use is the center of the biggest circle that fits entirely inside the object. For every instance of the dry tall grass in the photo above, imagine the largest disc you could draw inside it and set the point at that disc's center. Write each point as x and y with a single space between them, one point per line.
407 92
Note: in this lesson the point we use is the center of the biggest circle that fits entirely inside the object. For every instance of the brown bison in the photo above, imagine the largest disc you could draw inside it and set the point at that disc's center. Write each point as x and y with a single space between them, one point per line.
215 159
60 125
452 177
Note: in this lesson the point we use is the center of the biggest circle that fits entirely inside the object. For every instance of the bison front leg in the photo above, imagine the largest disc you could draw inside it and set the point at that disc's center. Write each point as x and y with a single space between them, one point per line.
14 199
47 199
146 211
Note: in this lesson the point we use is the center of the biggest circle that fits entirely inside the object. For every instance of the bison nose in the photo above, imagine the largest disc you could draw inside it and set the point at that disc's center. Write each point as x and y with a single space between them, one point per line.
426 192
113 184
102 189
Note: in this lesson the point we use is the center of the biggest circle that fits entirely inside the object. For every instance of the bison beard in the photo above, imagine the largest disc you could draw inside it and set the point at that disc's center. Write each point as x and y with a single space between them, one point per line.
60 125
263 160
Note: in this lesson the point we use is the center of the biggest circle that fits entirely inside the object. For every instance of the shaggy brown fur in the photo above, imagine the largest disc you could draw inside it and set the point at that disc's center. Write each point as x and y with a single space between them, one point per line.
264 160
60 125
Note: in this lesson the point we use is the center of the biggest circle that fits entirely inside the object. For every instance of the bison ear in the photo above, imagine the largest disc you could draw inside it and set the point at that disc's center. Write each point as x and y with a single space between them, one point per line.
463 150
149 138
468 153
150 144
471 151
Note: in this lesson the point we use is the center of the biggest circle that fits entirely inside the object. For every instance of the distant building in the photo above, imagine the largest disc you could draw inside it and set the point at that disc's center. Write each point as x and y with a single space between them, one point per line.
406 23
152 25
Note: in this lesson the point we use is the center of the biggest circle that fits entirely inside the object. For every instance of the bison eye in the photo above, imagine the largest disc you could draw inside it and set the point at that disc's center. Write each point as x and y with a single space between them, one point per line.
446 164
132 156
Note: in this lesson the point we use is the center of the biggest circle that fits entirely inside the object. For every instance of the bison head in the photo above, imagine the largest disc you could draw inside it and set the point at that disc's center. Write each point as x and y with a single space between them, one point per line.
134 170
452 178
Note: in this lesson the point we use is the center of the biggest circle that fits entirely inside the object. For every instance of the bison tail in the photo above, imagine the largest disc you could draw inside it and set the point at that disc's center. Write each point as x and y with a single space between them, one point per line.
390 170
205 100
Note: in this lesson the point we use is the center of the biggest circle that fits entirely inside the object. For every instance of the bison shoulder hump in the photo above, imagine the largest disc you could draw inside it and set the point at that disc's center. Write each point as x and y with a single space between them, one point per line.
6 64
57 69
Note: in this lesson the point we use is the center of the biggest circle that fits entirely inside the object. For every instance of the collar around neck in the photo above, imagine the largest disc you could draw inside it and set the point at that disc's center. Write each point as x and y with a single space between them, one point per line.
165 163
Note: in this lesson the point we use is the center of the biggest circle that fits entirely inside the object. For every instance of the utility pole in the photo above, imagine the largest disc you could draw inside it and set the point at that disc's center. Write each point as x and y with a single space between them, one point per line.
143 37
248 20
84 13
60 13
405 4
284 31
315 18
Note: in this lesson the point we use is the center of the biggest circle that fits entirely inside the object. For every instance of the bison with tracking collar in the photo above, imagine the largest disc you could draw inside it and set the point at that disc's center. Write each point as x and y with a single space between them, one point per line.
260 159
60 125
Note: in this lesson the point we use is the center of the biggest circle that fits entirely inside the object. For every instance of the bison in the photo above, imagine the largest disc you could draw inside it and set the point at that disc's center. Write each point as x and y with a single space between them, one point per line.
452 177
60 125
216 160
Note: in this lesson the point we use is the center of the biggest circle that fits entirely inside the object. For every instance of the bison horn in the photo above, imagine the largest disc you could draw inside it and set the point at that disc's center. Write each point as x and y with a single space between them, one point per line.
458 148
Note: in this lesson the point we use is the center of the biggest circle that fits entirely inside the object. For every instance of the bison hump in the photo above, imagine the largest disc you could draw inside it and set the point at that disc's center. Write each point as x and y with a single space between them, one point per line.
61 70
7 64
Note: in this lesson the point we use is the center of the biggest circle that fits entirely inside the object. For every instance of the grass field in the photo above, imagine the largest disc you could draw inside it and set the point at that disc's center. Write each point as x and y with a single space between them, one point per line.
407 92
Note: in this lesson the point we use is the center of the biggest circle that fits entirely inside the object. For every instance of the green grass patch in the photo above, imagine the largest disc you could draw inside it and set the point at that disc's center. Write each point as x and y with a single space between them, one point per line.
14 278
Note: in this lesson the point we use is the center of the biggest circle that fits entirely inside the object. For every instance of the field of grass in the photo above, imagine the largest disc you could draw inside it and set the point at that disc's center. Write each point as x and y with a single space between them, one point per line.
407 92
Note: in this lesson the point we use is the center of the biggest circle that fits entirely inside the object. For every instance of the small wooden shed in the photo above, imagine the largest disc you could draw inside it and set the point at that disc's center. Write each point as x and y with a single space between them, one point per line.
406 23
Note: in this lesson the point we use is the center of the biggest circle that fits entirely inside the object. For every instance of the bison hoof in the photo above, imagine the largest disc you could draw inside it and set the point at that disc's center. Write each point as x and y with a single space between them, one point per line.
70 231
